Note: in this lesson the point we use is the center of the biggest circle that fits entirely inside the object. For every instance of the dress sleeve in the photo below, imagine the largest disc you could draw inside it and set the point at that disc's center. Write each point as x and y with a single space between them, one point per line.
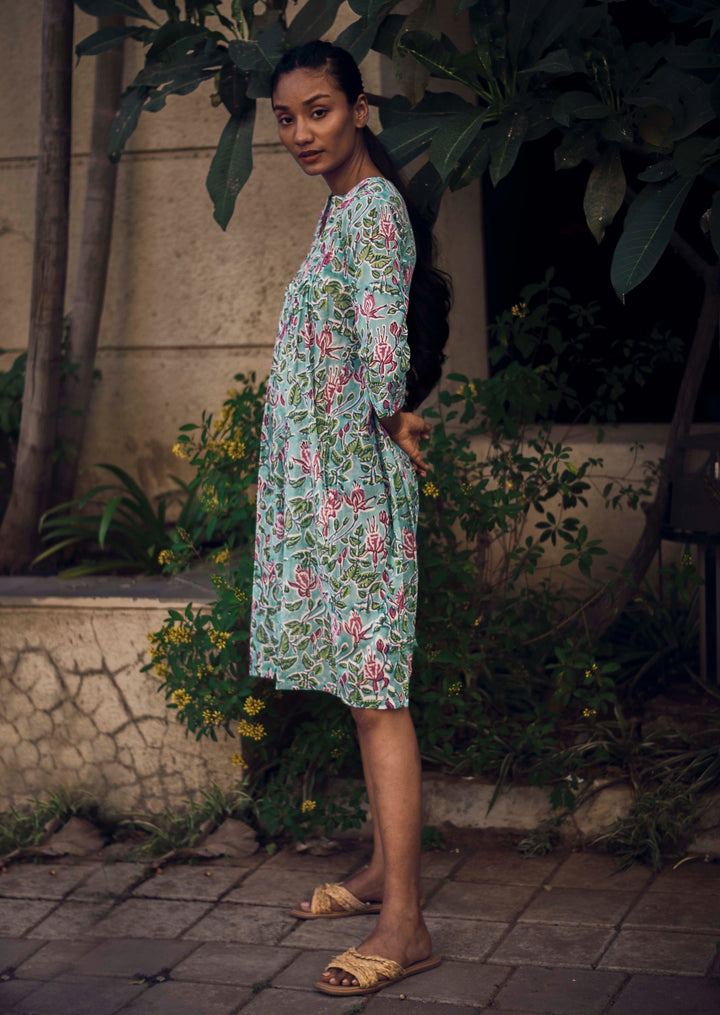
383 260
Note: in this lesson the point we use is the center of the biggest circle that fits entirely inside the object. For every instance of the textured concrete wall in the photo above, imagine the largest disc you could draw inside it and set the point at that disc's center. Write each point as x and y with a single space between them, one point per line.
187 305
78 713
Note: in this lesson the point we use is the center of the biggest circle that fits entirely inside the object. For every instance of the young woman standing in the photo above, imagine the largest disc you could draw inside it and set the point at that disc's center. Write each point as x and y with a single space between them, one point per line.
359 346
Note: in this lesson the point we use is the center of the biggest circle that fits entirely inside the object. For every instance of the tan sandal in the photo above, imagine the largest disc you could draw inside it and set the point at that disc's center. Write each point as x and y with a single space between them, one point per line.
321 906
372 972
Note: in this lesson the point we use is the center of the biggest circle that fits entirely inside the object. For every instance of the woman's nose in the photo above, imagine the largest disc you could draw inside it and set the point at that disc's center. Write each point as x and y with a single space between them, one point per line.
303 131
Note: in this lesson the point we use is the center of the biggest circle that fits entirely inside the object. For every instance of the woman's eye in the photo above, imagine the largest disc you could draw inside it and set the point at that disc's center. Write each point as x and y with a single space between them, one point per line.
319 113
283 121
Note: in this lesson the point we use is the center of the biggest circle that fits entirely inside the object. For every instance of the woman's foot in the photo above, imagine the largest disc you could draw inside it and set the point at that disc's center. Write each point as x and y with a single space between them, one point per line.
366 886
404 939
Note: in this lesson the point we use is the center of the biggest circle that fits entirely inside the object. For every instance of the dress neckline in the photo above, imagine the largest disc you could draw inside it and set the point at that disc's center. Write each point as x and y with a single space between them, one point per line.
366 179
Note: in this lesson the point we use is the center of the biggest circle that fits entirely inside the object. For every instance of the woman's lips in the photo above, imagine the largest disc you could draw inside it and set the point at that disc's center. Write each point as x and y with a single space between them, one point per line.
309 156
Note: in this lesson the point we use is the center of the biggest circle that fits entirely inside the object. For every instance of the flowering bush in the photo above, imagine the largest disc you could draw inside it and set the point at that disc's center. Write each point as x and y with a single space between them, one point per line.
503 683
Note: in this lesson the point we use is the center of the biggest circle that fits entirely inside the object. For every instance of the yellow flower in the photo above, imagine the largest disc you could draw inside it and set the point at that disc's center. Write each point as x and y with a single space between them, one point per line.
308 806
519 310
180 698
204 670
222 556
179 635
240 596
219 638
212 716
184 535
166 557
251 730
455 689
588 713
478 621
235 449
237 761
253 706
430 489
589 674
161 670
181 450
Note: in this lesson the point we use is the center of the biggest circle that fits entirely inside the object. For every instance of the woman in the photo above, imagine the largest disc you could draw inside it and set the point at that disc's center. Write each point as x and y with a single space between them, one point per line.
335 582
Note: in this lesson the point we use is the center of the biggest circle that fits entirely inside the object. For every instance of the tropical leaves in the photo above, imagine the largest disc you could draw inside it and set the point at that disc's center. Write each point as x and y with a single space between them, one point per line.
532 66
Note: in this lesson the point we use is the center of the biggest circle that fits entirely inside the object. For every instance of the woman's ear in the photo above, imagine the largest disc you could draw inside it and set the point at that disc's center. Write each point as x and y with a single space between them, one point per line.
362 111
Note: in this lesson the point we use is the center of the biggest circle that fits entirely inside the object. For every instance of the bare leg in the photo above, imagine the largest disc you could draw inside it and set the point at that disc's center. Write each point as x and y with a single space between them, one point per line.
392 765
367 884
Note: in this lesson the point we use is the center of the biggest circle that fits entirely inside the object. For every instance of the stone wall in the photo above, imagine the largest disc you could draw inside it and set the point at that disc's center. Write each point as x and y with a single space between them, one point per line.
77 711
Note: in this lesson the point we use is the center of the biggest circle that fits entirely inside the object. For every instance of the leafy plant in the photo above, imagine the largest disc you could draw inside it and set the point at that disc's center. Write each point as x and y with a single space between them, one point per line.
115 526
20 827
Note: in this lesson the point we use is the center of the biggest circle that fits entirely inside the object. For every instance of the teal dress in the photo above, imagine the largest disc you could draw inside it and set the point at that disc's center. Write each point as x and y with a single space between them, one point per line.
335 580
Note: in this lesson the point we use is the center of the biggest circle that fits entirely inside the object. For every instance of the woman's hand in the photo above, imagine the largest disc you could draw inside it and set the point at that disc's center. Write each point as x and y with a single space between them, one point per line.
407 429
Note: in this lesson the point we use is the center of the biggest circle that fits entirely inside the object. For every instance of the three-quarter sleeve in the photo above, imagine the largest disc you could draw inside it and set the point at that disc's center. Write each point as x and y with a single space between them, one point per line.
383 257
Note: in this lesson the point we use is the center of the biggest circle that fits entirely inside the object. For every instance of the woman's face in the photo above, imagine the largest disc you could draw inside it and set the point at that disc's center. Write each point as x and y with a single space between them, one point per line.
319 127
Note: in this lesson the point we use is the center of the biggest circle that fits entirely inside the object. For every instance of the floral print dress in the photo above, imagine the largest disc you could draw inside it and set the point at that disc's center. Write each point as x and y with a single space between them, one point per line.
335 581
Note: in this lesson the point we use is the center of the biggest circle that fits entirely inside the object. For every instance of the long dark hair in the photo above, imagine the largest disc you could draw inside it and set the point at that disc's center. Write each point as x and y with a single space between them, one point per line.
430 291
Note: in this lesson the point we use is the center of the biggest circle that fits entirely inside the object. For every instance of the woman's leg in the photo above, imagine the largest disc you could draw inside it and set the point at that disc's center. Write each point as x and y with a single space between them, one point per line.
391 761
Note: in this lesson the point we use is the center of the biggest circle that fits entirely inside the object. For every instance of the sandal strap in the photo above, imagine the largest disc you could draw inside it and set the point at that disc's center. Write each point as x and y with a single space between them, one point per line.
367 969
325 895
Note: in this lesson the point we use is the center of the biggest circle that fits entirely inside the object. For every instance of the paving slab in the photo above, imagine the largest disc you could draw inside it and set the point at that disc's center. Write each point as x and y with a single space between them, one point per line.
188 999
83 996
242 964
53 958
69 920
13 991
589 907
379 1005
666 995
192 883
283 888
146 957
644 951
440 863
598 870
228 921
109 881
692 876
560 991
17 916
13 952
328 868
552 945
676 911
330 935
40 881
500 866
460 983
464 939
480 901
162 918
274 1001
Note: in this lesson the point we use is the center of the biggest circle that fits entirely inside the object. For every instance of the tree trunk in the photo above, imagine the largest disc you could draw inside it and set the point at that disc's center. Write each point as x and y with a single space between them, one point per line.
600 613
76 387
36 444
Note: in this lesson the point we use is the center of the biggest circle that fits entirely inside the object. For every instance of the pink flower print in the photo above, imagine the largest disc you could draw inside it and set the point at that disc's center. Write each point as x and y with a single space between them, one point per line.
329 509
384 517
368 308
400 600
333 386
394 329
386 228
354 627
356 498
381 646
374 543
383 353
328 255
323 341
308 335
335 629
373 671
304 582
308 461
280 525
408 543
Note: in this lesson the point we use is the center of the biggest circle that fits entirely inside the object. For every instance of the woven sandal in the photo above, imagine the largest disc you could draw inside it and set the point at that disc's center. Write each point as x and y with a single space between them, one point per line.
372 972
323 898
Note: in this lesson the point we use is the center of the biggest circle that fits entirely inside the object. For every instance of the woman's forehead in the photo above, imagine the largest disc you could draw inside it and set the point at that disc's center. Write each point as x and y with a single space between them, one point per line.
303 85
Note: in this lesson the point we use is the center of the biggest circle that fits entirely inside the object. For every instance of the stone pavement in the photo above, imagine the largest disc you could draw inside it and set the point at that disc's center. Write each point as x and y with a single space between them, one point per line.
558 935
